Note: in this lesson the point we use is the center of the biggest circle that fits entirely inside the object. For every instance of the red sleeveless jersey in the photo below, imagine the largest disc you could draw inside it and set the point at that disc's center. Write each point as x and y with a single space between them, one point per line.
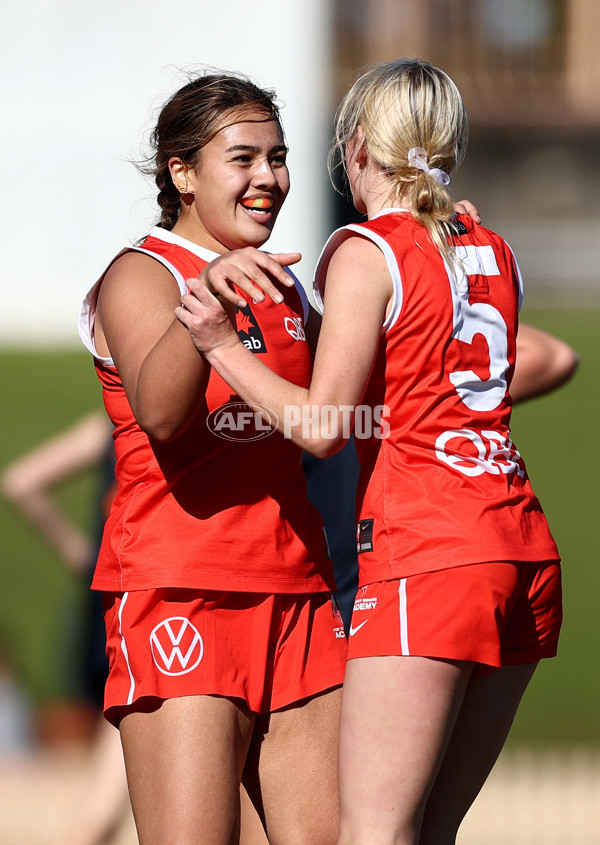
447 487
223 506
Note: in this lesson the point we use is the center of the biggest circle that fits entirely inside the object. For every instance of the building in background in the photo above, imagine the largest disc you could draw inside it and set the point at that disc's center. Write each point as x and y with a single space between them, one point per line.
529 71
82 88
82 91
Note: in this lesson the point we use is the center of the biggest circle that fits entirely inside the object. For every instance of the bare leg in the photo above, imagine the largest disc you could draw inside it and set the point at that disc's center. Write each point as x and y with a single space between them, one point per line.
485 719
184 763
398 714
252 832
291 773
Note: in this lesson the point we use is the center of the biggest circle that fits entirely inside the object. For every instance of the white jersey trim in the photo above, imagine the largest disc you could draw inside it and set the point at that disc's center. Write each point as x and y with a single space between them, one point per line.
125 651
87 314
334 242
519 276
302 294
403 613
171 238
390 210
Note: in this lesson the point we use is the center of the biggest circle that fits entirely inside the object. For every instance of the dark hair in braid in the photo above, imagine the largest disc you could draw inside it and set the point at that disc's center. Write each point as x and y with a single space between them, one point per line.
190 119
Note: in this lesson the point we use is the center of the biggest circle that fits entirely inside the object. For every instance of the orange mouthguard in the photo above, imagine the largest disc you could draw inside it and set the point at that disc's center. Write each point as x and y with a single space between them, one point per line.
259 202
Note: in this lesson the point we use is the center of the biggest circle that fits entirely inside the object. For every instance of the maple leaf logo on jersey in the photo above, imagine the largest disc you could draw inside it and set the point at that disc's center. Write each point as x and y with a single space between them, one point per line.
248 330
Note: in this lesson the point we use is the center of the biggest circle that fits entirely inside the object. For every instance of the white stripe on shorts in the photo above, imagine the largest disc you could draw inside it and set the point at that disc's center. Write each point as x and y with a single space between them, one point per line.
124 650
403 618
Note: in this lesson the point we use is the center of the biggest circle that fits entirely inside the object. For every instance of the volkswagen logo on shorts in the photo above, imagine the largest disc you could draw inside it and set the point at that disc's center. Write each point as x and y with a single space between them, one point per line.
176 646
241 421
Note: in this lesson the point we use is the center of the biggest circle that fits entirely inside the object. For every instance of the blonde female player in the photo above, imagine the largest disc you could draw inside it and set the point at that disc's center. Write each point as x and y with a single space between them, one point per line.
459 591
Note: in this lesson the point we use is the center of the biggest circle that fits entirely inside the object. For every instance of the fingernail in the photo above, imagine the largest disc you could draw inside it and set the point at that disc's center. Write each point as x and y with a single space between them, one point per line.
278 298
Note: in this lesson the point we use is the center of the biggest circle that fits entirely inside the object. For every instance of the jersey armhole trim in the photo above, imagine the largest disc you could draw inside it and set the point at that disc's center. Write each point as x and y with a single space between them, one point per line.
301 293
333 243
87 315
519 276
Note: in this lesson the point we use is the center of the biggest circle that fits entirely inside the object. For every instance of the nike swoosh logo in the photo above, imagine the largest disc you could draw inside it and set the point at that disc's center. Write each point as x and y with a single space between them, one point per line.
353 630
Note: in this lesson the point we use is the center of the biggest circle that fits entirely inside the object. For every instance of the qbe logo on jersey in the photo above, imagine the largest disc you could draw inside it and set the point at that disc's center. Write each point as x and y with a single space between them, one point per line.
176 646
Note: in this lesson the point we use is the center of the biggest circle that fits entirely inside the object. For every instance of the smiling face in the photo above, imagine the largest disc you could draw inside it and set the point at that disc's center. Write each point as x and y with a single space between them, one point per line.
238 186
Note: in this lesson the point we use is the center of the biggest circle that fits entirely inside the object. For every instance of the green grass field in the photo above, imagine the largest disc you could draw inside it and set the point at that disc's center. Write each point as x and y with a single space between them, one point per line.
557 436
46 390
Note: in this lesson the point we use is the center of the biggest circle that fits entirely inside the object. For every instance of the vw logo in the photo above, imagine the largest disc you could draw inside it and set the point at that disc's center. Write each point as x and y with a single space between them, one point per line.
176 646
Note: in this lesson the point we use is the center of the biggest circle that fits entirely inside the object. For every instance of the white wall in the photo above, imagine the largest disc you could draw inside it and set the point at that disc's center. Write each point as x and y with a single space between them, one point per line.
81 82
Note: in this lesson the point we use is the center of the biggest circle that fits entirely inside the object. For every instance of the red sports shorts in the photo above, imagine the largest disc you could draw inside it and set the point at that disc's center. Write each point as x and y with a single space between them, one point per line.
494 614
267 650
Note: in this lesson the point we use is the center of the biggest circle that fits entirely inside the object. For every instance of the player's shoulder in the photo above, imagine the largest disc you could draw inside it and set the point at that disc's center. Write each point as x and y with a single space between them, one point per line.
136 274
351 243
131 264
357 253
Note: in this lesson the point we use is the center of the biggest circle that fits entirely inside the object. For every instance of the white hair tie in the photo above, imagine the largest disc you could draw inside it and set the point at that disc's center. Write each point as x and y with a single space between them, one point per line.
417 157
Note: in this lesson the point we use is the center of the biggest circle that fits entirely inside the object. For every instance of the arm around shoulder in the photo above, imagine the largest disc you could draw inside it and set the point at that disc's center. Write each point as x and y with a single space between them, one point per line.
317 418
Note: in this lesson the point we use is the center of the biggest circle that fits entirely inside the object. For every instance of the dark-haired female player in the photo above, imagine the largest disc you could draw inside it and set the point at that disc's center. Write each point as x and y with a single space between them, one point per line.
226 650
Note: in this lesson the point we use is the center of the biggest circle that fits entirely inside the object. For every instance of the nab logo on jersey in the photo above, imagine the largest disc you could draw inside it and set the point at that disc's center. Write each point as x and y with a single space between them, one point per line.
249 331
176 646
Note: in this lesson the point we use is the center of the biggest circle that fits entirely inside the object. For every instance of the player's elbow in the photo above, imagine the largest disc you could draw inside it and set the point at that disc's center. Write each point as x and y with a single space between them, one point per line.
160 424
13 487
325 446
162 431
318 429
566 363
561 367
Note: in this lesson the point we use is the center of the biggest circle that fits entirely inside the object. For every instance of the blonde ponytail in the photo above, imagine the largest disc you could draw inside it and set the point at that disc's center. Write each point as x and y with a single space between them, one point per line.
403 106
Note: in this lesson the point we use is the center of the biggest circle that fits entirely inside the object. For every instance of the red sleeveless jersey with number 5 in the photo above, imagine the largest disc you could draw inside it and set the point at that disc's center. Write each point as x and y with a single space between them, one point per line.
442 484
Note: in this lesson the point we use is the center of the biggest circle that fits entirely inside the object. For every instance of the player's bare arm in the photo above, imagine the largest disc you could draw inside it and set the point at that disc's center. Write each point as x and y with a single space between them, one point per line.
543 364
347 345
136 327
